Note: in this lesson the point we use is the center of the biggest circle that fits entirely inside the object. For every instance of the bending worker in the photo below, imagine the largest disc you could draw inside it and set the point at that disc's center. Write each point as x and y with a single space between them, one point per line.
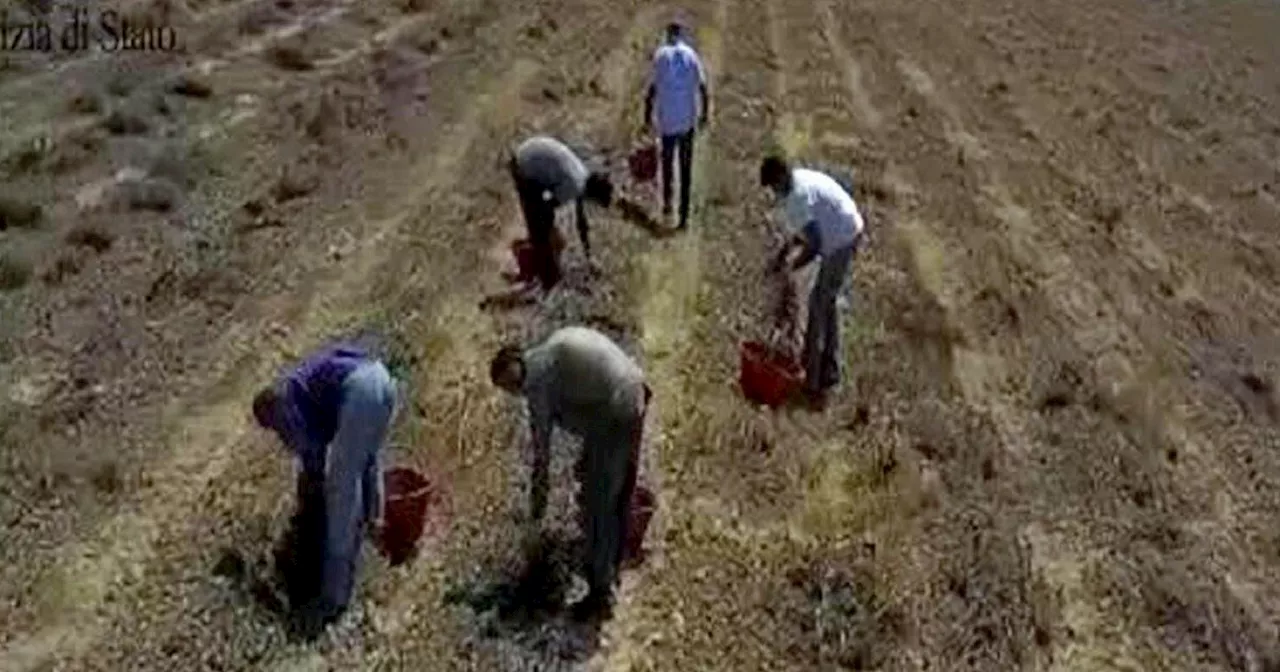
547 175
678 81
583 382
333 411
824 222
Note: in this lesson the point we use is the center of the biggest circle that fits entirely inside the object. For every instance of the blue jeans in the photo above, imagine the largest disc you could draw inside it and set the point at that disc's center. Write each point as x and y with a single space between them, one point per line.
353 478
822 335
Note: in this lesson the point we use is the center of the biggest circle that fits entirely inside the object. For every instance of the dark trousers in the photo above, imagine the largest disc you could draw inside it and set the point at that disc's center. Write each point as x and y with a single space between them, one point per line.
540 222
606 472
300 556
670 144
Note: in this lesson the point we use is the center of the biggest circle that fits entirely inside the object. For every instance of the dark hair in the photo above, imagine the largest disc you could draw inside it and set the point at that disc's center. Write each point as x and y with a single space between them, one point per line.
773 170
507 356
674 29
599 188
264 406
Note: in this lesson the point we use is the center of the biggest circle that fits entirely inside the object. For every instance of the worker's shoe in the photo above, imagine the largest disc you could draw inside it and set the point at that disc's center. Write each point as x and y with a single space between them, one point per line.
597 606
311 620
816 400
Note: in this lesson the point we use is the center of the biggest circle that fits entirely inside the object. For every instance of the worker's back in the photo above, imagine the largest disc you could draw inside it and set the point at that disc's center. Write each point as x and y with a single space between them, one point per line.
552 165
677 74
590 376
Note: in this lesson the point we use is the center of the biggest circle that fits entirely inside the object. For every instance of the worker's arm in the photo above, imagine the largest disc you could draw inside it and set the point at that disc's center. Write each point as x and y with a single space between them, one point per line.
580 216
808 244
372 490
706 96
649 95
706 103
291 427
541 426
799 250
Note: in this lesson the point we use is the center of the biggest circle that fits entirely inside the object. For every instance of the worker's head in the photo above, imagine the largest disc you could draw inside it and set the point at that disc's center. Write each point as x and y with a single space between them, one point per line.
507 369
599 188
775 174
674 31
265 403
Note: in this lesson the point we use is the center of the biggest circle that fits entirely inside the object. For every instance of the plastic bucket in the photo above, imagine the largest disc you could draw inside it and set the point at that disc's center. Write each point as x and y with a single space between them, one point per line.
526 263
767 376
643 504
643 163
407 495
522 250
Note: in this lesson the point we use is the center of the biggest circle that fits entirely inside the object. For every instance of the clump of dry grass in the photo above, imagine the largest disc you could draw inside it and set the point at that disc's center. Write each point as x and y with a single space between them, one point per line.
984 593
19 213
191 86
126 120
26 158
85 102
295 182
260 16
15 271
845 619
66 265
150 194
291 57
93 236
413 6
121 83
75 150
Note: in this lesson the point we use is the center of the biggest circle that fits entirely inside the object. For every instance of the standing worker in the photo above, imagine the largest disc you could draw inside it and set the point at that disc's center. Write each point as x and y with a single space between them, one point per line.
583 382
824 222
547 175
678 80
333 411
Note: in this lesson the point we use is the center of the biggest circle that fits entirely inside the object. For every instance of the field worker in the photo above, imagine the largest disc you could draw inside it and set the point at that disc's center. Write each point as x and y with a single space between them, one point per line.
583 382
824 222
548 174
677 81
333 411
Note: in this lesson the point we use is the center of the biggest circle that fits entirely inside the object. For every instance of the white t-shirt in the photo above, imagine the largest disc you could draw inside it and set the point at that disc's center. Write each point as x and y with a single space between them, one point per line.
817 197
677 74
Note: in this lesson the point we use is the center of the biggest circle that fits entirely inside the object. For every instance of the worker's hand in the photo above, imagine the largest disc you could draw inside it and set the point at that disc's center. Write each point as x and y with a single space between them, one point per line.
377 528
779 263
532 545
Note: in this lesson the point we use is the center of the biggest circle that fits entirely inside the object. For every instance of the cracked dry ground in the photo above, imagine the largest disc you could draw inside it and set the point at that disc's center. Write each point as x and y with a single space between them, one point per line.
1057 444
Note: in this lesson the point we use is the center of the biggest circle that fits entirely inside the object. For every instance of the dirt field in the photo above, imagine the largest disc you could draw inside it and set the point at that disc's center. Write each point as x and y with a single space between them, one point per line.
1057 448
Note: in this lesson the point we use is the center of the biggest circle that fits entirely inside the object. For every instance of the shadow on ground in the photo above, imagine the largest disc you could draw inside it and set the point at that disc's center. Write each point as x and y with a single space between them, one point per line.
525 605
640 216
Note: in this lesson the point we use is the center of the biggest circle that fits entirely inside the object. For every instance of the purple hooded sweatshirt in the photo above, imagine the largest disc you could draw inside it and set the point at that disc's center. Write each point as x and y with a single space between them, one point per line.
310 398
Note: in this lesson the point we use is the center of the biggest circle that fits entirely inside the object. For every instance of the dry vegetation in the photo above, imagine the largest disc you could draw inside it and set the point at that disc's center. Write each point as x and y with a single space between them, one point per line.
1056 447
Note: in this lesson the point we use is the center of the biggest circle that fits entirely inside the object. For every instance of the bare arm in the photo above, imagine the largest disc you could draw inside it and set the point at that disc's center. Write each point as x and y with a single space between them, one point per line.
804 247
541 426
648 103
580 216
706 95
706 101
808 241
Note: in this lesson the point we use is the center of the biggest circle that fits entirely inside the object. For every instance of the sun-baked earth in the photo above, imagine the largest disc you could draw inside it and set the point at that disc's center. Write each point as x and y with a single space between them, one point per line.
1057 448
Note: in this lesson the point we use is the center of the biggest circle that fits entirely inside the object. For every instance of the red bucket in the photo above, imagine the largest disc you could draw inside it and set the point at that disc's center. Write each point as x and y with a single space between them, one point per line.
643 504
407 495
768 377
643 163
522 250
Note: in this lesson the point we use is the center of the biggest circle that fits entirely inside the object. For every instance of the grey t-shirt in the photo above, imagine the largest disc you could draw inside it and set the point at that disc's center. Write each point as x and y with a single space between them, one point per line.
583 381
550 164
